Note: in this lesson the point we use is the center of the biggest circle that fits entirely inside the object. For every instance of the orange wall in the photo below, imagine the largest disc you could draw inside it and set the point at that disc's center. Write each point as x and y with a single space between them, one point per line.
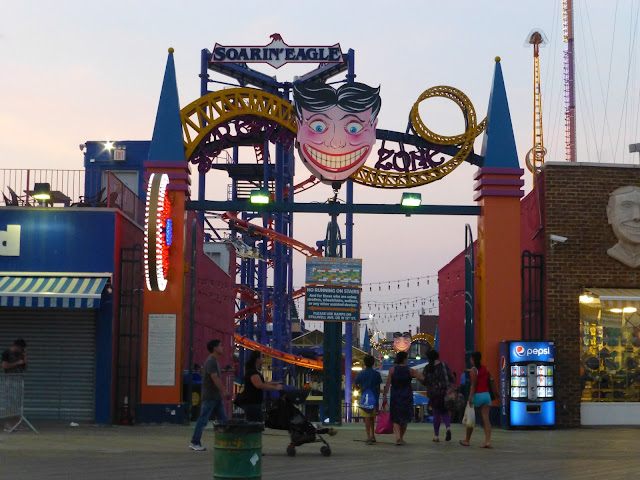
498 274
170 301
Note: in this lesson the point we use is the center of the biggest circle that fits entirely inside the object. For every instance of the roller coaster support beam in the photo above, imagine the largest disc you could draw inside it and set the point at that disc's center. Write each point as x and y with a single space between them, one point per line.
281 299
332 208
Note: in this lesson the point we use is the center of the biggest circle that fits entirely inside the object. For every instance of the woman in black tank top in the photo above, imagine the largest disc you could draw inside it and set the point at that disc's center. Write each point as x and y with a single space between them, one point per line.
254 385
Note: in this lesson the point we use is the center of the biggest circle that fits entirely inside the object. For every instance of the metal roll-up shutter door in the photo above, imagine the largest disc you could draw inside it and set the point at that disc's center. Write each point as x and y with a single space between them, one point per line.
61 347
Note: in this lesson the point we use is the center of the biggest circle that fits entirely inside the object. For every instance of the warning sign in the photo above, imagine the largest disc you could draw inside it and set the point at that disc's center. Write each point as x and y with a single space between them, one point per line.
332 304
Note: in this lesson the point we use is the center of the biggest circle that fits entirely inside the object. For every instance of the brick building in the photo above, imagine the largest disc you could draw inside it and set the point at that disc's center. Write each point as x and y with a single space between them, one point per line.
588 298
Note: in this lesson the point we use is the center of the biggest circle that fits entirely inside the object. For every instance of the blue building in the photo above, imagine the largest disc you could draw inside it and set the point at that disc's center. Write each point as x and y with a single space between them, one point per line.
71 284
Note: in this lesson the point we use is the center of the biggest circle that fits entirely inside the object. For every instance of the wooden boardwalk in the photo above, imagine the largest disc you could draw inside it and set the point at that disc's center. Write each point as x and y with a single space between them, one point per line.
160 452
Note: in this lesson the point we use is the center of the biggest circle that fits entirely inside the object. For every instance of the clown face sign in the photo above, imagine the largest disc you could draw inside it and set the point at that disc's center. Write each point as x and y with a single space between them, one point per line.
402 341
336 128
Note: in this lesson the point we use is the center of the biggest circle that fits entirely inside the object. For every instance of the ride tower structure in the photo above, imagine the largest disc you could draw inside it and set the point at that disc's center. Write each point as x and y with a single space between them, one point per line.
535 156
569 82
269 305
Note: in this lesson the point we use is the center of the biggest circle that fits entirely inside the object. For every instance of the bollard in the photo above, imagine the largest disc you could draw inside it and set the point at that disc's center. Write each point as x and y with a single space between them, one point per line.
237 449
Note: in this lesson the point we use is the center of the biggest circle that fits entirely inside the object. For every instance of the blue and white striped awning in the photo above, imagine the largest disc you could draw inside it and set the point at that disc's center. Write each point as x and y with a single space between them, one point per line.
53 291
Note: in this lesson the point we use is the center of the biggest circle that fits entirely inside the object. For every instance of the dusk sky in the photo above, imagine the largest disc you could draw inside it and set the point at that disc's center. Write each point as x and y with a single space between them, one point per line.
75 71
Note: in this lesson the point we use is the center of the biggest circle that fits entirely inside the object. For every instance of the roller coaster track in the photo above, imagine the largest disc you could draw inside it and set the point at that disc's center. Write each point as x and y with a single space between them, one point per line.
202 116
384 179
256 306
272 352
252 229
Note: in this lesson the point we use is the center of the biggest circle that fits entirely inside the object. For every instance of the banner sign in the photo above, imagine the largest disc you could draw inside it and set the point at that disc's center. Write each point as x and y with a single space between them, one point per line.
276 53
332 304
334 271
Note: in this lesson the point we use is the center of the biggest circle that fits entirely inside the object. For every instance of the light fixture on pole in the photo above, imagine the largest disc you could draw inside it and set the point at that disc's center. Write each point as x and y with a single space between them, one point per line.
260 196
410 199
42 192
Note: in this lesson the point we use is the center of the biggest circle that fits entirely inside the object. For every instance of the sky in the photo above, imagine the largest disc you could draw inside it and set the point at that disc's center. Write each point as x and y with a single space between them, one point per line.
75 71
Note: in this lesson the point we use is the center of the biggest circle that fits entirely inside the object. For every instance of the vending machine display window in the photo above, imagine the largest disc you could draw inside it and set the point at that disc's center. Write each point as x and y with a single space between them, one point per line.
609 351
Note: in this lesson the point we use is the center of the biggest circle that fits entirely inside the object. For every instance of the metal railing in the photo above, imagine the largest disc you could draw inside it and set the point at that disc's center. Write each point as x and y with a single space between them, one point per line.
71 188
12 400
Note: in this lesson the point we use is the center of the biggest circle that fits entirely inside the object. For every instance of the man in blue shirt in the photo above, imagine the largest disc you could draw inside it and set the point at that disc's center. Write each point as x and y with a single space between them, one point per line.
369 379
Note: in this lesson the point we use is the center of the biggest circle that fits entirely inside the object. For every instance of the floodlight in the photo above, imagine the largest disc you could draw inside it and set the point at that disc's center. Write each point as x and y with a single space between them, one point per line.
260 196
411 199
42 191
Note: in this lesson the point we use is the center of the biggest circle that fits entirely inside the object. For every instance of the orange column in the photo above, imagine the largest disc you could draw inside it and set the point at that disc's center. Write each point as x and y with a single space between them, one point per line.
167 302
498 272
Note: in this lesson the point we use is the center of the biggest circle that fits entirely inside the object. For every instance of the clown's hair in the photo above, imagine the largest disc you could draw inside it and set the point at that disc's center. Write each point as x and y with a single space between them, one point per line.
350 97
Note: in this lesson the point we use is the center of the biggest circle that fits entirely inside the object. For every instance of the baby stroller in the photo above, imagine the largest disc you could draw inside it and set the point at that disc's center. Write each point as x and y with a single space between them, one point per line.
284 415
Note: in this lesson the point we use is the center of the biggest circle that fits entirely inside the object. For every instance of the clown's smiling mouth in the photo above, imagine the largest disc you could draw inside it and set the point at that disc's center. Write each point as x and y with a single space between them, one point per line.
335 163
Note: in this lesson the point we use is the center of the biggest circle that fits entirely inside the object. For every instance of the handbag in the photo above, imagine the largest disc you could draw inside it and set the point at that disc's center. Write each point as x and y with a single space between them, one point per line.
493 389
451 391
469 419
384 425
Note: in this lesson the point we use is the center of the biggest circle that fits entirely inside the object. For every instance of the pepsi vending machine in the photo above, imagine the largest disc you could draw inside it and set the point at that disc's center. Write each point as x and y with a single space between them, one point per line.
526 384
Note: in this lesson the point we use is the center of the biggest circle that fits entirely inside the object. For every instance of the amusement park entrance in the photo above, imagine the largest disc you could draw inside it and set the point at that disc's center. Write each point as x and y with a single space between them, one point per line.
260 204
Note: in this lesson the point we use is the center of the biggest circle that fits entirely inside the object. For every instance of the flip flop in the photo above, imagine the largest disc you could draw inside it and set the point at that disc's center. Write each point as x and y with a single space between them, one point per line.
464 444
486 446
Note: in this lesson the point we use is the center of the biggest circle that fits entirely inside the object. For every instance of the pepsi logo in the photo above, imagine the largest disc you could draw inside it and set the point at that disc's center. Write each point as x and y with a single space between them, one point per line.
520 351
503 363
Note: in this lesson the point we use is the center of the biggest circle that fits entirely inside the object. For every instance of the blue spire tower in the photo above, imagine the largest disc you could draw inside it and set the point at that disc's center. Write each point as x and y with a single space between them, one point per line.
498 189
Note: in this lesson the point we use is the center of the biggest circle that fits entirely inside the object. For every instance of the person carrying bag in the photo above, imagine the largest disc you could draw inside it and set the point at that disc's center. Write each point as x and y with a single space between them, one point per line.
479 397
438 380
368 382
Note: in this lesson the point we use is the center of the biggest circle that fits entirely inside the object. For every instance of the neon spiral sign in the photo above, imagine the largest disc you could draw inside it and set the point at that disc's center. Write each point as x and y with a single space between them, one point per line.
157 233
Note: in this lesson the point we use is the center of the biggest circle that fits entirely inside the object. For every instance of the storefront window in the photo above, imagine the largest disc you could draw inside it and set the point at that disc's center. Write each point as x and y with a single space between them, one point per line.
609 351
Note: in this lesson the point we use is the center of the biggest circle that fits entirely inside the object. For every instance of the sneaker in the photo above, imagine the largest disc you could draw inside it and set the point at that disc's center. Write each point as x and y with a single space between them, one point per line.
448 437
197 447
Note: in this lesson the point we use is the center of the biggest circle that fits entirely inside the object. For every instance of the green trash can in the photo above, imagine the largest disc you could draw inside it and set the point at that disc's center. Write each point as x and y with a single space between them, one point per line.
237 449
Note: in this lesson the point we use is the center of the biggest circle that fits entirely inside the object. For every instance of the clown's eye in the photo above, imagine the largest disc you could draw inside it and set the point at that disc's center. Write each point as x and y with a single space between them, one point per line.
354 127
318 126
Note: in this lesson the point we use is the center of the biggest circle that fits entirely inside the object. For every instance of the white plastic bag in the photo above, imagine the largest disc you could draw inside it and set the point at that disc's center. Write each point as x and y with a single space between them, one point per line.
469 419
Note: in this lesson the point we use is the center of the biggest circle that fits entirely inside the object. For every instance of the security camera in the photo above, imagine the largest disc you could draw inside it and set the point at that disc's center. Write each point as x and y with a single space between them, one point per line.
557 238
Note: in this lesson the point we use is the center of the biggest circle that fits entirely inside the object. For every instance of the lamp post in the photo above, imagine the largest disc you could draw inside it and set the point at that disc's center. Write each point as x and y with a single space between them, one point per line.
332 340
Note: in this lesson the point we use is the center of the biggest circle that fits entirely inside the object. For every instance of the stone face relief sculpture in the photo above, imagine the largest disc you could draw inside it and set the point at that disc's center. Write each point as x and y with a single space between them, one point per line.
623 213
